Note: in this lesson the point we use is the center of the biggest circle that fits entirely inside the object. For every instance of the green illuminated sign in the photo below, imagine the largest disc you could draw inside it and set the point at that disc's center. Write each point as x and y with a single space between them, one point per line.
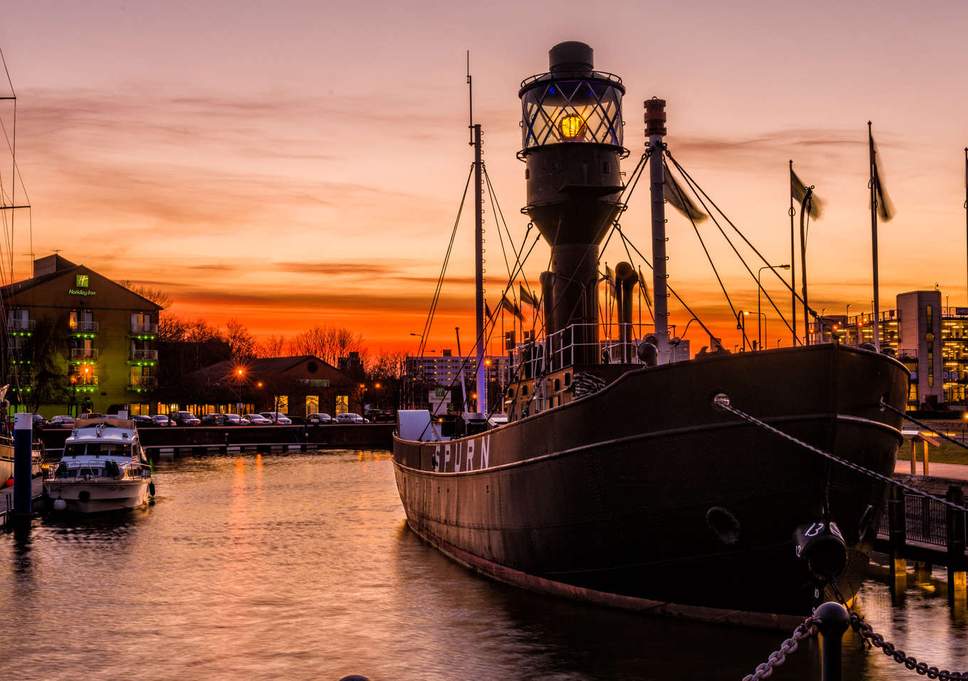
82 281
81 291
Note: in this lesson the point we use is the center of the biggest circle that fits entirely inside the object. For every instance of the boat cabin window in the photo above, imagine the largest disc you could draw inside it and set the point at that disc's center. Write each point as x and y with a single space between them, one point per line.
97 449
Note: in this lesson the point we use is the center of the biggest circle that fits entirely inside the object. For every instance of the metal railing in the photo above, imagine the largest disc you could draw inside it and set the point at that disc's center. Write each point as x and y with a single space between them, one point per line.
148 328
925 521
84 326
20 324
567 347
84 353
144 355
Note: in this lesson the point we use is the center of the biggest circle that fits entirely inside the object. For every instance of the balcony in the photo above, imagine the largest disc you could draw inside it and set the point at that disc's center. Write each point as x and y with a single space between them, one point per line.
20 326
143 385
84 354
84 327
147 329
142 355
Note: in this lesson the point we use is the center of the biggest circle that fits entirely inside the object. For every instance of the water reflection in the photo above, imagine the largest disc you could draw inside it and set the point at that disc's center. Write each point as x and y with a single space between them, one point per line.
300 566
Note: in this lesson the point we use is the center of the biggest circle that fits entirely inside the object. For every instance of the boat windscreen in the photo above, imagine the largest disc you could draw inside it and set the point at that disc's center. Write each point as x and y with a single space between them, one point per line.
97 449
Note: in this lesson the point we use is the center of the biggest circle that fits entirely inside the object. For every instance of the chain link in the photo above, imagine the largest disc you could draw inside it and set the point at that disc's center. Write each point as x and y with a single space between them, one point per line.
722 402
806 629
874 640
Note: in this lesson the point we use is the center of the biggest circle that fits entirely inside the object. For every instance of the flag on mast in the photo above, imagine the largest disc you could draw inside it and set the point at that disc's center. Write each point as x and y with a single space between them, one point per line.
798 190
885 207
511 307
673 193
526 296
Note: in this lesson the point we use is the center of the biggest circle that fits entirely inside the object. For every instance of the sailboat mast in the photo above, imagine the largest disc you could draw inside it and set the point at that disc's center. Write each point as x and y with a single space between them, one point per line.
655 130
793 264
873 183
481 373
966 213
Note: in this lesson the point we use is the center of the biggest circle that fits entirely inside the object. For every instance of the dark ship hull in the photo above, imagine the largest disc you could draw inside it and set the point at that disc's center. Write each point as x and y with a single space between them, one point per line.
608 497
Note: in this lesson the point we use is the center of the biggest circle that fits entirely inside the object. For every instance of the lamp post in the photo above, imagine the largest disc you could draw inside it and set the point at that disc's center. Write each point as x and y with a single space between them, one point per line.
759 291
239 377
741 325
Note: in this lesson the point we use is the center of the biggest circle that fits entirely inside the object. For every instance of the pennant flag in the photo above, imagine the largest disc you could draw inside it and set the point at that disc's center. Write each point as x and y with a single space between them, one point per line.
526 296
487 310
798 190
645 289
885 207
673 193
511 307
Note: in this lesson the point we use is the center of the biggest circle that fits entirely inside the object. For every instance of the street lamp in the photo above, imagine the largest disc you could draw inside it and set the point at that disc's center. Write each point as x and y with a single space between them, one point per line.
759 291
741 325
239 377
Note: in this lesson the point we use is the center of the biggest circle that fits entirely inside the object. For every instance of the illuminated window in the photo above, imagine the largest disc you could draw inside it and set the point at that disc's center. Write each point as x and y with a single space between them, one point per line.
342 404
82 281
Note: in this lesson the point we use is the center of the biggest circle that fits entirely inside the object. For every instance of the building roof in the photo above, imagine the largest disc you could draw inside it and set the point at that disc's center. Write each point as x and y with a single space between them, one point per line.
298 366
53 267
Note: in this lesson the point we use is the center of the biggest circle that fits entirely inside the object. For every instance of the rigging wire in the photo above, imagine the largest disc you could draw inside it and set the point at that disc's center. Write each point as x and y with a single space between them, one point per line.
682 199
700 193
443 269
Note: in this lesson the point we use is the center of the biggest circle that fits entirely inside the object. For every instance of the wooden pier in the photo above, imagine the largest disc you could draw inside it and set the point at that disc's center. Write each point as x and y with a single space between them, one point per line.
6 499
922 529
191 440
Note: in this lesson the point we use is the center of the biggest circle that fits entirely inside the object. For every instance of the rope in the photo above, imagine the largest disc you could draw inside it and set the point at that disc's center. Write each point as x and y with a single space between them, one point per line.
922 424
721 401
675 186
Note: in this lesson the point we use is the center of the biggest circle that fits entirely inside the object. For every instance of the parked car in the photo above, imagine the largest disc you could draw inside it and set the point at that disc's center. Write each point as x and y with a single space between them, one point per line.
256 420
38 421
142 421
319 418
161 420
185 418
277 417
213 419
349 417
233 420
61 421
381 416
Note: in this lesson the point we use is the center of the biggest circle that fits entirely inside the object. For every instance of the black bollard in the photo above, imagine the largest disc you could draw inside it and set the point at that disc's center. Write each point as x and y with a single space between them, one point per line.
22 469
354 677
833 622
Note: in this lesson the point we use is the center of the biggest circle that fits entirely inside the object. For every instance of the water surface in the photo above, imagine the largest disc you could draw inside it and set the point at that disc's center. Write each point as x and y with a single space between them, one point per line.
301 567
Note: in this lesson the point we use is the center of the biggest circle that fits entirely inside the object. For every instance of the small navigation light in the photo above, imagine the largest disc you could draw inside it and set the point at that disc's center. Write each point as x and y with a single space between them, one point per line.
572 128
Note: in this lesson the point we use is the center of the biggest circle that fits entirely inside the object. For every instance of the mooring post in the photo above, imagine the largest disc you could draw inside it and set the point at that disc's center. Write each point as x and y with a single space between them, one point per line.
23 432
833 620
955 521
924 468
914 456
896 535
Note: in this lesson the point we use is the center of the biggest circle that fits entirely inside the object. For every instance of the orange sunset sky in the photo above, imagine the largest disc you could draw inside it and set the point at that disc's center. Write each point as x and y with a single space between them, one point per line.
299 163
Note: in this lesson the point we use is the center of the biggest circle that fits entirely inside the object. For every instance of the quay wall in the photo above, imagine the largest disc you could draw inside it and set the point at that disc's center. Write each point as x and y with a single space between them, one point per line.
205 438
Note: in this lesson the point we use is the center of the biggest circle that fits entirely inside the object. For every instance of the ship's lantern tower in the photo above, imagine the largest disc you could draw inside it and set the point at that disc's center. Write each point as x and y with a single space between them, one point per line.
572 145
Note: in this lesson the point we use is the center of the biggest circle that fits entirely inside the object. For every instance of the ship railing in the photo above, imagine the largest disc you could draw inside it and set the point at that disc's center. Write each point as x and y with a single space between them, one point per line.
570 346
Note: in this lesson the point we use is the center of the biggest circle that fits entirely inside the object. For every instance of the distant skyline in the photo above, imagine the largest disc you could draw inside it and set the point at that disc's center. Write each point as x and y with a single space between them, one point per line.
291 164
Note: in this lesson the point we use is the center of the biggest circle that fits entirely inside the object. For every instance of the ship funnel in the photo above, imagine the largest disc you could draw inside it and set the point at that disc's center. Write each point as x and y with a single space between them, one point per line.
625 280
571 121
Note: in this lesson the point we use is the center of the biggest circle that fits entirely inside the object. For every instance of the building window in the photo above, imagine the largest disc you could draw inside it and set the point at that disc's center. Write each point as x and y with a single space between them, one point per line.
342 404
312 404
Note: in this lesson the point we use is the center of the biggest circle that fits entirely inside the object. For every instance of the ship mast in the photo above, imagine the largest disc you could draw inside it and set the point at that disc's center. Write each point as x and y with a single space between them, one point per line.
475 141
655 130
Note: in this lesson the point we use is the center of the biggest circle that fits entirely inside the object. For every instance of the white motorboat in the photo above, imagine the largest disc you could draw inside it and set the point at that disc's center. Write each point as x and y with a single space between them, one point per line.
104 468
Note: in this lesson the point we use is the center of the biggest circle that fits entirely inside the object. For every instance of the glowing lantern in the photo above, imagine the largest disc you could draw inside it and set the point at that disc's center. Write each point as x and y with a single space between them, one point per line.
572 128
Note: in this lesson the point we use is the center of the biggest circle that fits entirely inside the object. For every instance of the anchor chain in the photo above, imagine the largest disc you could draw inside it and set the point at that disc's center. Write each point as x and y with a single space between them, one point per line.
874 640
722 402
806 629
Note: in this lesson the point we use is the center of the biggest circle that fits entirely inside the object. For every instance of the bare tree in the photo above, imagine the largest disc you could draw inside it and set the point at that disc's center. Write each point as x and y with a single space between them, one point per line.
271 346
327 343
241 342
156 295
